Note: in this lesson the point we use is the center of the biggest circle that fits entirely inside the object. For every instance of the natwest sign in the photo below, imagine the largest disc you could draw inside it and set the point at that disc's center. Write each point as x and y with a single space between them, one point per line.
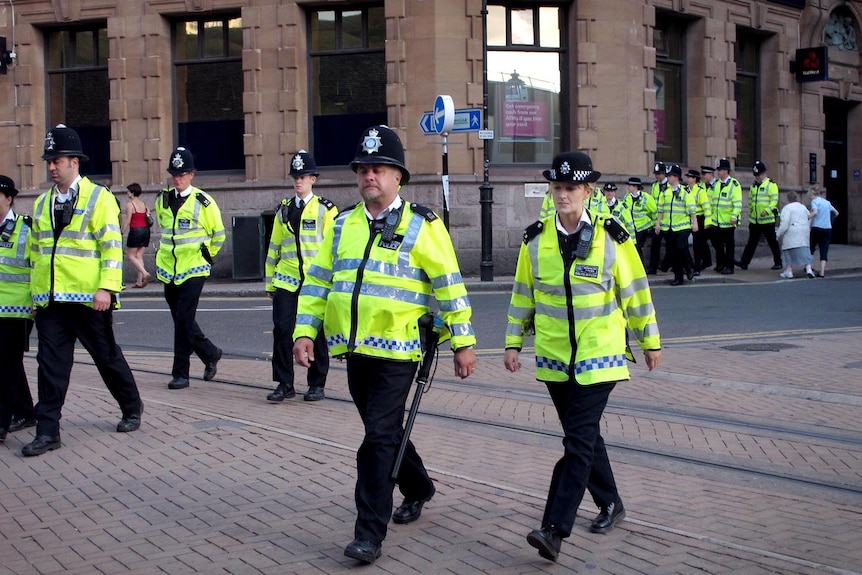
525 119
812 64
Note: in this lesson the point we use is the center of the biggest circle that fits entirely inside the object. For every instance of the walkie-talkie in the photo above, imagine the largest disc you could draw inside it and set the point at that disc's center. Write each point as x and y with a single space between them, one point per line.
584 242
392 220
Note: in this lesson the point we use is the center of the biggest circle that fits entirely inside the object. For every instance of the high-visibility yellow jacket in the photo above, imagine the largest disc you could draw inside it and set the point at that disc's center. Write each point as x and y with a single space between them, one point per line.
702 203
675 209
87 255
548 207
624 215
580 314
191 239
292 251
657 188
15 298
727 203
642 210
368 294
762 202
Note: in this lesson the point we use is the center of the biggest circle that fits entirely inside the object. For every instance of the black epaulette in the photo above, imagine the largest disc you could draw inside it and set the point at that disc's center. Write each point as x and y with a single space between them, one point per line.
28 221
423 211
166 197
533 230
615 228
205 201
329 205
348 209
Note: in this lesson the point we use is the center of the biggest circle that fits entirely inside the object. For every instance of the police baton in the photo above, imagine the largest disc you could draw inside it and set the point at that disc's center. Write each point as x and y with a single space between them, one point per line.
429 338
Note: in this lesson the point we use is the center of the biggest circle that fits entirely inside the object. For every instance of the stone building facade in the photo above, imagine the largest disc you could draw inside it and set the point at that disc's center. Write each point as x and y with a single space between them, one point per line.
683 81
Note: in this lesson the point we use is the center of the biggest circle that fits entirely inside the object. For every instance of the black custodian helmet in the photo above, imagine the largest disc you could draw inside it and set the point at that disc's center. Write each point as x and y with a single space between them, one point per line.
381 145
182 162
63 141
303 164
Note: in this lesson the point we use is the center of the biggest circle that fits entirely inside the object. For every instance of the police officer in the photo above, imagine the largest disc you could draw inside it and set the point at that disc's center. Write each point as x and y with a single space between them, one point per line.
617 209
762 207
710 182
192 235
703 211
657 191
77 255
561 266
676 219
726 210
368 288
642 210
301 222
16 321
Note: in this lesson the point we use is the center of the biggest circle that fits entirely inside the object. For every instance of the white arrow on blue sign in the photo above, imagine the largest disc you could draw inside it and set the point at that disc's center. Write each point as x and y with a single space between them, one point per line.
467 120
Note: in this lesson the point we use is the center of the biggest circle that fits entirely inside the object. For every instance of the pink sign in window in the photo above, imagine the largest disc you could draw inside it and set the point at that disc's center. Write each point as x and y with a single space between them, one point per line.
528 119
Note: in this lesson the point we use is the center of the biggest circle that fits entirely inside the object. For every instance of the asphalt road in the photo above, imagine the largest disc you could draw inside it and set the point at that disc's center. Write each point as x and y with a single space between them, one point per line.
243 326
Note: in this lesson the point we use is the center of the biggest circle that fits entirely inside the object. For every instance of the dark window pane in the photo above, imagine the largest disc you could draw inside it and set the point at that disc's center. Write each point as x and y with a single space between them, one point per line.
187 41
323 31
85 51
103 52
80 100
746 121
234 37
351 30
668 112
214 40
376 28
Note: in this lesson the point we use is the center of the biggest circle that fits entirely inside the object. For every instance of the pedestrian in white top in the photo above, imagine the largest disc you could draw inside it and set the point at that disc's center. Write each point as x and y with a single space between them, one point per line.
793 235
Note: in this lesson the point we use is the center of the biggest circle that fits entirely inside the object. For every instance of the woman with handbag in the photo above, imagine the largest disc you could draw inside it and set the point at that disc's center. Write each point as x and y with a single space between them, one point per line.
137 221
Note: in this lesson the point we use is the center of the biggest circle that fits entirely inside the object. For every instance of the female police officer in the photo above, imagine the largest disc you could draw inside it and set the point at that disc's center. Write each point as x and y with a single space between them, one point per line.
579 283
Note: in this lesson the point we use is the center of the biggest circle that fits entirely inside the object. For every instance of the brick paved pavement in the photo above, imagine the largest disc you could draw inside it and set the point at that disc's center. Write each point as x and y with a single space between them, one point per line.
219 481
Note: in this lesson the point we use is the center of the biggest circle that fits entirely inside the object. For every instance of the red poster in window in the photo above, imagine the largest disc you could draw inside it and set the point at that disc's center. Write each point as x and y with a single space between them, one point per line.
658 122
527 119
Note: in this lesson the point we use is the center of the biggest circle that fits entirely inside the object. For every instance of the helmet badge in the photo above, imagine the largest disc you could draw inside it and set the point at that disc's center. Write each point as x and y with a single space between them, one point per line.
565 168
297 163
49 141
372 144
177 160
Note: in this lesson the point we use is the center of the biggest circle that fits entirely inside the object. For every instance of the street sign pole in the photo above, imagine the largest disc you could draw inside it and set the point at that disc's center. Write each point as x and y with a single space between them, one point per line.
445 179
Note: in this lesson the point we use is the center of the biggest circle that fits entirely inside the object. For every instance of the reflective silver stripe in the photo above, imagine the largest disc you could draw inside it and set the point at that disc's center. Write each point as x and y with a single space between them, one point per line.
387 292
15 278
548 289
461 329
447 280
77 252
18 262
113 264
188 239
112 244
271 260
580 313
521 313
454 304
309 320
68 234
519 288
400 270
314 291
639 284
319 273
409 240
340 265
515 329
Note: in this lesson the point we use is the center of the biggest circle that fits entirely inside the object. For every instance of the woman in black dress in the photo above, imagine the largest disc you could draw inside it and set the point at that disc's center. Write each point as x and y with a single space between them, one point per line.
135 222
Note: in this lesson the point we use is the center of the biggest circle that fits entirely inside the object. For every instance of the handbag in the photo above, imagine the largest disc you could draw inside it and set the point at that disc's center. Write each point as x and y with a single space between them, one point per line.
150 219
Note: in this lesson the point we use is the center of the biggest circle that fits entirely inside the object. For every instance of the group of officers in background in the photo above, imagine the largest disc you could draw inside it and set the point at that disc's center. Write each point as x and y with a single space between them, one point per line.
705 205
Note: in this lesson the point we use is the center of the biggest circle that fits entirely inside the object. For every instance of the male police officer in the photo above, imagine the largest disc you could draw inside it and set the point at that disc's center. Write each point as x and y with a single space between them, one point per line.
726 210
301 222
368 287
762 207
192 235
77 254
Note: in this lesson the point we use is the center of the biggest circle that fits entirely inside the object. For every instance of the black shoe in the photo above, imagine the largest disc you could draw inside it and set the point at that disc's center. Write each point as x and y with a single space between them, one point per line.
726 271
314 394
695 275
40 445
408 512
129 423
3 434
677 282
178 383
741 265
363 550
211 367
547 541
20 423
689 274
776 267
608 517
282 392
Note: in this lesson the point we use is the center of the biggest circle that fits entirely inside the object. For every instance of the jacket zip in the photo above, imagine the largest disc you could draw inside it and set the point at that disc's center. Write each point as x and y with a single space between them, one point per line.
354 302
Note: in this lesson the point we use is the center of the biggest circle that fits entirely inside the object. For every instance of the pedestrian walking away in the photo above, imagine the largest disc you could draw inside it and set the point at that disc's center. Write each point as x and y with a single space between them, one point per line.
77 258
822 214
16 321
192 234
301 222
762 209
136 225
579 265
367 289
794 233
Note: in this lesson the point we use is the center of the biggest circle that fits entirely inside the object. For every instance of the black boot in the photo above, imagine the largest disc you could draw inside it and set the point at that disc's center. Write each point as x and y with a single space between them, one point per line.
282 392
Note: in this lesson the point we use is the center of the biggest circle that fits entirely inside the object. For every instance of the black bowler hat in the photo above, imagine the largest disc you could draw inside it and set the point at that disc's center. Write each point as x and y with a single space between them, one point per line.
572 167
759 168
182 162
303 164
723 164
693 173
381 145
7 187
675 170
63 141
707 169
659 168
635 182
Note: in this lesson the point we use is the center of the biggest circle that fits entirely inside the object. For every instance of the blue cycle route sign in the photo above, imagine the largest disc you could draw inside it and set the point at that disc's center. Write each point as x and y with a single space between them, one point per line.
466 120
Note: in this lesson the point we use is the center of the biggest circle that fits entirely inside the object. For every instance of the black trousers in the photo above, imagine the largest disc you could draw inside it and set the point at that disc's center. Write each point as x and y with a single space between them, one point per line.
15 398
655 250
379 388
754 233
61 324
680 258
284 305
700 245
642 239
725 244
585 464
188 337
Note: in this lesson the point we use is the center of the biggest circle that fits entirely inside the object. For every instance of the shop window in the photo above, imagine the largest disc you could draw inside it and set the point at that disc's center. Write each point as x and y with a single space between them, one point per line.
209 85
669 82
526 64
747 124
347 79
77 94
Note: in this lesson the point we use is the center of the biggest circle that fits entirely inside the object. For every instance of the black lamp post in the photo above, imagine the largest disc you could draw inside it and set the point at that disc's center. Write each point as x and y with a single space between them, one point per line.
486 190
